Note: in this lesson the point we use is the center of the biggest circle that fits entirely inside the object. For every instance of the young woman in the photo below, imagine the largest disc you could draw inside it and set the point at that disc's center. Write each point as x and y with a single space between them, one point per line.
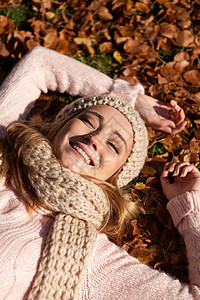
105 141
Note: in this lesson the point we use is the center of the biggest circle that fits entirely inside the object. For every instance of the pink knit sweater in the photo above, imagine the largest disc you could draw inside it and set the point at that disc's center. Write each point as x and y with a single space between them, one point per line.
112 273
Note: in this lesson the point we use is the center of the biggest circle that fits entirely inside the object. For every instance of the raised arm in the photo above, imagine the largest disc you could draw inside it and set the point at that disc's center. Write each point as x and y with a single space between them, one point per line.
42 69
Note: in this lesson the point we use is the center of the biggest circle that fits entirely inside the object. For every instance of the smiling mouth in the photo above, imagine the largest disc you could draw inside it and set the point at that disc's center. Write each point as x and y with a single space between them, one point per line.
83 154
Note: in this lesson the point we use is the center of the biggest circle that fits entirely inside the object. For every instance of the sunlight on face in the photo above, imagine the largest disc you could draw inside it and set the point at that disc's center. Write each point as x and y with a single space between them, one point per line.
96 142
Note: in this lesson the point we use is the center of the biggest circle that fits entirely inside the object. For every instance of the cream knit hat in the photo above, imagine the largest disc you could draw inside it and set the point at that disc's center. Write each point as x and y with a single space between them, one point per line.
136 159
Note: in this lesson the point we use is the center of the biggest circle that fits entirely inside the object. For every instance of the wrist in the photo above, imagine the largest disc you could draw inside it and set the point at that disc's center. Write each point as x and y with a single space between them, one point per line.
127 91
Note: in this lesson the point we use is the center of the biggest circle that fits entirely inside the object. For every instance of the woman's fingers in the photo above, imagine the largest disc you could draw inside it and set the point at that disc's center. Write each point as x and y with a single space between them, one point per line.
179 127
178 169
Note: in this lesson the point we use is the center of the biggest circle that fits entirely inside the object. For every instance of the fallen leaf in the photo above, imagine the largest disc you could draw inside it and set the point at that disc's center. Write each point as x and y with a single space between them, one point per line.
168 30
181 56
6 25
118 57
136 47
192 76
104 14
147 170
3 50
142 254
105 47
49 15
51 39
185 38
142 7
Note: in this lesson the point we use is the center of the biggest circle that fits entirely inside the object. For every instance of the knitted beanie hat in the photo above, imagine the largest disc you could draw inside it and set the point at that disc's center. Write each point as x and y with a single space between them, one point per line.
136 159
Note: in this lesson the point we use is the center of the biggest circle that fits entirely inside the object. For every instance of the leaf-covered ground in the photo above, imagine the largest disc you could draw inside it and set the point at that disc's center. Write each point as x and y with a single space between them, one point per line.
156 43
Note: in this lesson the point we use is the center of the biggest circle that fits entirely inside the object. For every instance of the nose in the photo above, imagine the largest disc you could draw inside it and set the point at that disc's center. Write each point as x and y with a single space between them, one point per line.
93 140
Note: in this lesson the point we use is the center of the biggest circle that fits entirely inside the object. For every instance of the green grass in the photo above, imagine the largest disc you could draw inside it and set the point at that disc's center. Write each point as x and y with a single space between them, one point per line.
157 149
103 62
19 14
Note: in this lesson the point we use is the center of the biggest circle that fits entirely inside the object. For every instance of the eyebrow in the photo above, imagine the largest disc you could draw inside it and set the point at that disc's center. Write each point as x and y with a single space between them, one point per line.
96 114
121 138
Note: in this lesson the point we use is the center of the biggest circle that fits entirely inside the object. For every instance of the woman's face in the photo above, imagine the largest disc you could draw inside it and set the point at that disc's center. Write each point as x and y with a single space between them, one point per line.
96 142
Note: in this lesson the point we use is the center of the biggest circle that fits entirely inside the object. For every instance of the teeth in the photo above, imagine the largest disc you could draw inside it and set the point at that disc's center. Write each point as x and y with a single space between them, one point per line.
82 153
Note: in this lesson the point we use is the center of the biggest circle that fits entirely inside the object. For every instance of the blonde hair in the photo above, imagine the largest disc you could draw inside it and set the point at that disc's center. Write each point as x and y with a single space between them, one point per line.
122 208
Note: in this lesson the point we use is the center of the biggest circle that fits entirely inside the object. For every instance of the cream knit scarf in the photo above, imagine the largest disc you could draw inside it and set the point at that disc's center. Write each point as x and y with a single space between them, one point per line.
81 207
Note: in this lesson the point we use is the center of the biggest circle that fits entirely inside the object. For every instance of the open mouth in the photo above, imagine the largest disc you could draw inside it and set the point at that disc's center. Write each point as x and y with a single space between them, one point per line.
83 154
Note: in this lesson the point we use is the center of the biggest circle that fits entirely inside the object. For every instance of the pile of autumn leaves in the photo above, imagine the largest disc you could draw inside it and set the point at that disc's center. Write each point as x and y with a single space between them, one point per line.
156 43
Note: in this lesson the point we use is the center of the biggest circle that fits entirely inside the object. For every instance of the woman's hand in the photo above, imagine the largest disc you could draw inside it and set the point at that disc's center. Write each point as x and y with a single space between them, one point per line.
179 178
169 118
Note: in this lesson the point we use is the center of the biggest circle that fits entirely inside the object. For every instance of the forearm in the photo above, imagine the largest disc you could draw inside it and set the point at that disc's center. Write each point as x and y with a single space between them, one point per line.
42 70
124 277
185 211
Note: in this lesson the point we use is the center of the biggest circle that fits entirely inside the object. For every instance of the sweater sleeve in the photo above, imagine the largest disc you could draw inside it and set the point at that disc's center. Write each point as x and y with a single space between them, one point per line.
42 69
114 274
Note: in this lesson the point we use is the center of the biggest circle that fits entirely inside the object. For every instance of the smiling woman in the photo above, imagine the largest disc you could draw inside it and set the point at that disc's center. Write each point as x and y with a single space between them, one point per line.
94 139
69 175
93 143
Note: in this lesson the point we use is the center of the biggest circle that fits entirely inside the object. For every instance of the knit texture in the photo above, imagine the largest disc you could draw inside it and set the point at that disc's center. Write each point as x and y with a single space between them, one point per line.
136 159
81 205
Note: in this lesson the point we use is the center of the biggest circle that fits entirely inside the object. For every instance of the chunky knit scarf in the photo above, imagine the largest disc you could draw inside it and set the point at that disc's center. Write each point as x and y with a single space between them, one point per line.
81 207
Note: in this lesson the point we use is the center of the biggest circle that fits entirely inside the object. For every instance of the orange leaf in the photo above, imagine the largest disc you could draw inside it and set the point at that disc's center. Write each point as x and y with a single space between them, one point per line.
185 38
104 14
3 50
142 254
117 56
142 7
136 47
6 25
147 170
192 76
105 47
168 30
51 39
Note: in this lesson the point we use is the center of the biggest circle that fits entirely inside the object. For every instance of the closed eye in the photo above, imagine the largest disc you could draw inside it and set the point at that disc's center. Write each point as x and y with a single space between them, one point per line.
114 147
84 119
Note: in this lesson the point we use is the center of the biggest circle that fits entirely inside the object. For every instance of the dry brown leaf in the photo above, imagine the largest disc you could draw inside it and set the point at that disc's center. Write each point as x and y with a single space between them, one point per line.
136 48
104 14
142 7
182 65
105 47
85 40
142 254
169 71
147 170
3 50
32 43
181 56
136 230
62 46
162 80
168 30
51 39
49 15
185 38
6 25
192 76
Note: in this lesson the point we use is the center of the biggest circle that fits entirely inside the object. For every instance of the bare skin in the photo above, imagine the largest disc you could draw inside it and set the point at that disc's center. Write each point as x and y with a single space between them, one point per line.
186 178
166 117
